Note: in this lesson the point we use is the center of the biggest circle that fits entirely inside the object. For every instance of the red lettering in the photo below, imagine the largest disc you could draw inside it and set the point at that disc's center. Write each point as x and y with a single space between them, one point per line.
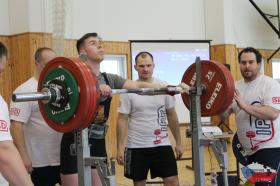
14 111
3 126
276 100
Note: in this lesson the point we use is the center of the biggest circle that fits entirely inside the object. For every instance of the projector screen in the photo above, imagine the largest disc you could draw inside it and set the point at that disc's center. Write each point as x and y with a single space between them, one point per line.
171 59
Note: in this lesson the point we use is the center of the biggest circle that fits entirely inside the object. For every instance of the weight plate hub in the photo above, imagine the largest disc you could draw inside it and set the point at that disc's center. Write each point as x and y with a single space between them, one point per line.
60 90
219 87
63 80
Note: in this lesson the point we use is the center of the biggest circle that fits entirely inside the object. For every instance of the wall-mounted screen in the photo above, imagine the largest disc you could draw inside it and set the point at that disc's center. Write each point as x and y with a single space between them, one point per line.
171 59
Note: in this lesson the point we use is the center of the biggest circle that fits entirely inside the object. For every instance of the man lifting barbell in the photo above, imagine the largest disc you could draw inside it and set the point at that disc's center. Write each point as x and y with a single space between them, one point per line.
76 95
90 45
257 109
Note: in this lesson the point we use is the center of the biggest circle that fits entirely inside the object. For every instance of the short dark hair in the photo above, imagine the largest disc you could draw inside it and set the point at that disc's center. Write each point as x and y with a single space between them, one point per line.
251 50
143 55
3 50
39 51
80 42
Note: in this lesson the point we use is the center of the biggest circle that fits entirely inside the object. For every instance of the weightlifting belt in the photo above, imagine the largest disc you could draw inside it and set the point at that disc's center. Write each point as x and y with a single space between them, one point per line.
97 131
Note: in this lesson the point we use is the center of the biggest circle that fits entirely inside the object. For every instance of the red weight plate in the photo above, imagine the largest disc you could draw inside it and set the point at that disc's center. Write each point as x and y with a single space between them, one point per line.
91 109
77 120
219 85
89 106
94 93
231 87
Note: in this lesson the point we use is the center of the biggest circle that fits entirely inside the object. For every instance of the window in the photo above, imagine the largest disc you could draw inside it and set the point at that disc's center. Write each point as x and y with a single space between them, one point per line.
115 64
262 66
276 69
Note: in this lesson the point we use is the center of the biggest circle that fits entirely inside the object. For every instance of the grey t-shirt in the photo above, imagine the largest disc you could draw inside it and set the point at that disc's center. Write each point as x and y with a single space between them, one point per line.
115 81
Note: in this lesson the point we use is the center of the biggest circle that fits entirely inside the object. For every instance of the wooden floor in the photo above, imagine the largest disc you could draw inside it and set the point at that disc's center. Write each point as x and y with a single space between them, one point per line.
186 176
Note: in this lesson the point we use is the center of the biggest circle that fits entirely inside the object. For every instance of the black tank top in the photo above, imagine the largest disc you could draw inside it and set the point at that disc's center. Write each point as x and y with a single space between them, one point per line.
103 108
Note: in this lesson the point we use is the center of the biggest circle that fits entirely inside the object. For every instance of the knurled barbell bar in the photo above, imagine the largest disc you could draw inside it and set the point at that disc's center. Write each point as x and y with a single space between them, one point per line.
68 92
54 95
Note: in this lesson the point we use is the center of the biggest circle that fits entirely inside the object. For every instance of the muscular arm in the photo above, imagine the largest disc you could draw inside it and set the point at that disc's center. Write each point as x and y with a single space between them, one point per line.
11 165
175 130
262 112
106 90
18 136
121 136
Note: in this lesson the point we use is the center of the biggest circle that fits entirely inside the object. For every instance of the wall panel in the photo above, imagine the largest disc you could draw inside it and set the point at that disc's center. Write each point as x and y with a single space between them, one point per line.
23 47
267 64
123 48
70 48
20 59
225 54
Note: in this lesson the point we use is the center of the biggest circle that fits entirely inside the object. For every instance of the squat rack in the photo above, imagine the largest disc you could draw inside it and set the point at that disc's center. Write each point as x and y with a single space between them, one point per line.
85 162
218 145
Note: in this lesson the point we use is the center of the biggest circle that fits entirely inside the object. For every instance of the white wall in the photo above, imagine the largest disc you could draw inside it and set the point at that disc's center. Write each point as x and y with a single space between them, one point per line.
4 14
26 16
18 16
40 15
145 19
223 21
214 21
238 22
250 28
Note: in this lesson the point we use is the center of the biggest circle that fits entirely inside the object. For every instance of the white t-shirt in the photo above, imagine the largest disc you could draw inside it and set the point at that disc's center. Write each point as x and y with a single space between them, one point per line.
254 133
147 125
3 181
4 121
4 130
43 143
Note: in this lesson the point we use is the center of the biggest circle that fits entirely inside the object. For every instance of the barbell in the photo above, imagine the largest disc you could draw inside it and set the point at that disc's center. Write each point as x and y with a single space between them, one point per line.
68 93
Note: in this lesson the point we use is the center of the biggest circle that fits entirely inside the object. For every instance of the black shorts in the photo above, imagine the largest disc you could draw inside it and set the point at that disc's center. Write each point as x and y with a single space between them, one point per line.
267 157
46 176
68 161
159 160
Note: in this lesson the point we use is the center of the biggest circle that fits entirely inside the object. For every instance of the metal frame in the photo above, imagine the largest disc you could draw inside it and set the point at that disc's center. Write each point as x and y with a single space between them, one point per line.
83 152
275 52
266 18
219 146
264 15
84 162
195 118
